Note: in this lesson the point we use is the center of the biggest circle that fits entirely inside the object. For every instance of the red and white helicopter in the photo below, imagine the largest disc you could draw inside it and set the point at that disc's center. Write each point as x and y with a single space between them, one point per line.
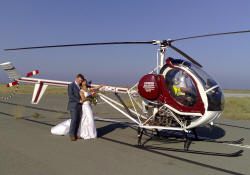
177 95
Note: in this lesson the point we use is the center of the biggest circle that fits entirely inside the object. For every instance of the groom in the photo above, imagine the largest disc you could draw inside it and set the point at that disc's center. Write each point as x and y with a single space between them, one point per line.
75 106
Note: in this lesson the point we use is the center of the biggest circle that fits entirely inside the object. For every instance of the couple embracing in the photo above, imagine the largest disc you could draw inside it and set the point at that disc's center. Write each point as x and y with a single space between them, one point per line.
81 124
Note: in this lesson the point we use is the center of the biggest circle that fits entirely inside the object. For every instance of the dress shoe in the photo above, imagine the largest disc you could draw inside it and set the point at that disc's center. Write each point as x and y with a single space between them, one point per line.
78 137
73 139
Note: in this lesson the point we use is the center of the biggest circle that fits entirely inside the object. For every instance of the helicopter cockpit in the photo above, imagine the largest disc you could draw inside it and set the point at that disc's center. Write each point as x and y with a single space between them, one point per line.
182 88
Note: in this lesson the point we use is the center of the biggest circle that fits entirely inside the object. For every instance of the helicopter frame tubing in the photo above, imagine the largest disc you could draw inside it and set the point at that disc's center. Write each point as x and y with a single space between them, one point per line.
143 127
142 121
133 114
132 93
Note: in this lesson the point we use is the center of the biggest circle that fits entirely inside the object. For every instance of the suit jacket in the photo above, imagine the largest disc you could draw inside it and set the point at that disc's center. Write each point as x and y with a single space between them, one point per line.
74 97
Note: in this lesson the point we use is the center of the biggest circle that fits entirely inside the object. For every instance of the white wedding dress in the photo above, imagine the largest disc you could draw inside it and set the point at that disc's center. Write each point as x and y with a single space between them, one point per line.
87 129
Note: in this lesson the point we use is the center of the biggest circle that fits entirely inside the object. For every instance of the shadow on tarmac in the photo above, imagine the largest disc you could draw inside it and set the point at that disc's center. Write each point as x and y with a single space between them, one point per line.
232 126
102 131
37 108
212 132
35 121
174 157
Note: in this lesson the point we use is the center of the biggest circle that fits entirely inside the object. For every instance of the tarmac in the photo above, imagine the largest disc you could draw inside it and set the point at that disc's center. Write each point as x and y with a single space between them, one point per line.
238 95
27 146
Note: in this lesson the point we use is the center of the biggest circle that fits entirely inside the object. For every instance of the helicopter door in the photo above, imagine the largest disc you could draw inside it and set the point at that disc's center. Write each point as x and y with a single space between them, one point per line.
181 87
179 90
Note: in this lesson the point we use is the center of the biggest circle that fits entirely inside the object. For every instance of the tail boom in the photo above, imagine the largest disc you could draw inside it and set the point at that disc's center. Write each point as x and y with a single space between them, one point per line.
42 84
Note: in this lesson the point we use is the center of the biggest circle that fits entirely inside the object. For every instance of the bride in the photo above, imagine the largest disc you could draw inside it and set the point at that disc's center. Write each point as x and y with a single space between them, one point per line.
87 129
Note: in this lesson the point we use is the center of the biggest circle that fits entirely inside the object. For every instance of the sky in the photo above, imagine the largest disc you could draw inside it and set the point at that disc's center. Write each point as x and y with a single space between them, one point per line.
26 23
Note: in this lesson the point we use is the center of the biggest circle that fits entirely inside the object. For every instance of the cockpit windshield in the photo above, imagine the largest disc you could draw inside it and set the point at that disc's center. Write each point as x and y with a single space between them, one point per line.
181 87
214 95
206 80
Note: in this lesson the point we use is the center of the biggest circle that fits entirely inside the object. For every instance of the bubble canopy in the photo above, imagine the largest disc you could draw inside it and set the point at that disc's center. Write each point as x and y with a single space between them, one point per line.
182 87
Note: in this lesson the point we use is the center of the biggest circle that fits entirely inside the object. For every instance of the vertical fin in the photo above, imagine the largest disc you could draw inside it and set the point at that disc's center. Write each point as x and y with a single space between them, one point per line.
38 92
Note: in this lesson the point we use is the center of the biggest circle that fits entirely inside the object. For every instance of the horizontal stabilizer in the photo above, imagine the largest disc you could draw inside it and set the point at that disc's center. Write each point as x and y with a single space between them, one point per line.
14 83
30 74
38 92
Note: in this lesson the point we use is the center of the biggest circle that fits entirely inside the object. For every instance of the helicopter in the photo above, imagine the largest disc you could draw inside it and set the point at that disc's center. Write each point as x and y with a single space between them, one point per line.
178 95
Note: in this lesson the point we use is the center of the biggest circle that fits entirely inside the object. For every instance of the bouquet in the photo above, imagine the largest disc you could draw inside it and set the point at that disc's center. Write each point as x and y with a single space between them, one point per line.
93 97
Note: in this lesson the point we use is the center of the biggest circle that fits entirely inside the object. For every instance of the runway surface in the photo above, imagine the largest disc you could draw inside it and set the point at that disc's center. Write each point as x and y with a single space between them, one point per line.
238 95
27 147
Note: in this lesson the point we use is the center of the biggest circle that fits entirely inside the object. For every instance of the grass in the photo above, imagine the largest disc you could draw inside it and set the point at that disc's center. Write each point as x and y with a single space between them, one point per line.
237 108
241 91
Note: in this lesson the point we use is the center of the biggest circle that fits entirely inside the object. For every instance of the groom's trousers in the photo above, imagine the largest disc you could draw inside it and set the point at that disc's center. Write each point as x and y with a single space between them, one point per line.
75 120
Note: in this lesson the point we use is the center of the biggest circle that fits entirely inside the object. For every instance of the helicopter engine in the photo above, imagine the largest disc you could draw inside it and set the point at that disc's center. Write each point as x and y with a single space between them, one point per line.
149 88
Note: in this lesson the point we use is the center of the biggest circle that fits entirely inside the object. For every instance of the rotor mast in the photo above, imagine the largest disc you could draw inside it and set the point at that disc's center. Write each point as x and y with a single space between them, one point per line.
161 49
162 55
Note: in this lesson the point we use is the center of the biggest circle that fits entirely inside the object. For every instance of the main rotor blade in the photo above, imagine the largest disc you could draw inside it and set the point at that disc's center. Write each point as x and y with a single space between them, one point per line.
185 55
83 44
207 35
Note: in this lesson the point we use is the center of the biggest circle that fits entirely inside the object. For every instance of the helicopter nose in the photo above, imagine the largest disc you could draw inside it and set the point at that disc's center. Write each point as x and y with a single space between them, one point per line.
208 117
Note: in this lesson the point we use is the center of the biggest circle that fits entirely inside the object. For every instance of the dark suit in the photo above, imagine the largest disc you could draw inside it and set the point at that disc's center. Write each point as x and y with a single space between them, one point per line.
75 108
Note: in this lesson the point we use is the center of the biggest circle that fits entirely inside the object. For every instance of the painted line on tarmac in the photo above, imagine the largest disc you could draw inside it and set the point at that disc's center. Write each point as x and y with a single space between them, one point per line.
108 120
114 121
230 144
236 145
241 146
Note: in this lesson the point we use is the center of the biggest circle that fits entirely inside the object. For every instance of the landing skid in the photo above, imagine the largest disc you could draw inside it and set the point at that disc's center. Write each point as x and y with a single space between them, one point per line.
187 142
239 141
233 154
197 138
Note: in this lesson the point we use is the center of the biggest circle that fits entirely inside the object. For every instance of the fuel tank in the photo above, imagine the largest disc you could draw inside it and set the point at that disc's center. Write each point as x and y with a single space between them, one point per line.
148 87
